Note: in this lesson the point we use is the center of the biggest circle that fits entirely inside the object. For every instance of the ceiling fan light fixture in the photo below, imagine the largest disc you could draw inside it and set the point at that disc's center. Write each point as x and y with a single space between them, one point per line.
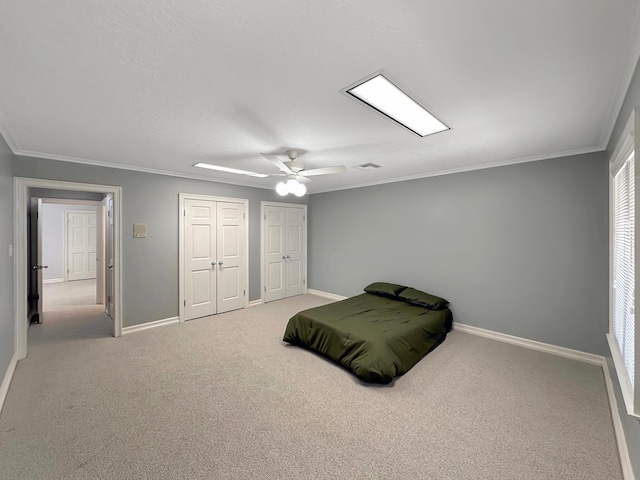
218 168
292 184
300 190
386 98
281 189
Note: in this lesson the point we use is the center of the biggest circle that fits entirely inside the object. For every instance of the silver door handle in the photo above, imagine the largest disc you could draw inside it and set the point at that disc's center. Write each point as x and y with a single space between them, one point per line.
288 257
283 257
39 267
220 263
213 264
109 267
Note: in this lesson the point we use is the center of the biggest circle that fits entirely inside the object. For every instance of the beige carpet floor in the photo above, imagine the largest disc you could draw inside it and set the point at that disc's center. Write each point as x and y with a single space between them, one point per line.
62 295
223 398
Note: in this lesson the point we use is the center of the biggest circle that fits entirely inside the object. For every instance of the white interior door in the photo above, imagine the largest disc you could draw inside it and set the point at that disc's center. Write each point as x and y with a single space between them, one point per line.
36 313
274 253
100 260
199 258
294 251
109 249
231 259
81 245
39 258
284 251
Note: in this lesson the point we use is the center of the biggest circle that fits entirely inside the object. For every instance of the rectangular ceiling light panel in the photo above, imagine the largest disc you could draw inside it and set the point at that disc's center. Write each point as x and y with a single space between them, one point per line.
230 170
379 93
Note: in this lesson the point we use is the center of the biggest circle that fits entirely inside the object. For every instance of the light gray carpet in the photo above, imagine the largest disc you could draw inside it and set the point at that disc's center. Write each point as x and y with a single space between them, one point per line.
223 398
67 294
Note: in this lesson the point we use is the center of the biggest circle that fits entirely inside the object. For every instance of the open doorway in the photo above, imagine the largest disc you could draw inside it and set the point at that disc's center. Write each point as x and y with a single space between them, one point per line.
67 258
72 257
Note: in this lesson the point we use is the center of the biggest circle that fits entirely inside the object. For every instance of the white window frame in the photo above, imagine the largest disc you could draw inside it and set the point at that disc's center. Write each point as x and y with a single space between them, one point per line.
626 146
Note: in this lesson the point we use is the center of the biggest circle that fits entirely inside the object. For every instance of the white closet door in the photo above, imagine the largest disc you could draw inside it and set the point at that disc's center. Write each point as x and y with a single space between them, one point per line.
274 253
294 251
200 262
81 246
231 261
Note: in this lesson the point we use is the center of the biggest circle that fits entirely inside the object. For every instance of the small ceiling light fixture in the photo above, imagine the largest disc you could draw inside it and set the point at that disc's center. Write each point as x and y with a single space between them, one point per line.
293 186
385 97
230 170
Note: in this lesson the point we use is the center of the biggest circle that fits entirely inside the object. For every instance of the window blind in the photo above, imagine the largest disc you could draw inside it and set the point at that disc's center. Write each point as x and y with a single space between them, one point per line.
624 263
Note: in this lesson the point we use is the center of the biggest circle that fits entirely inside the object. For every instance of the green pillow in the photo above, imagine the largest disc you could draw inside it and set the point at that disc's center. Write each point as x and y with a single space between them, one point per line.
422 299
384 289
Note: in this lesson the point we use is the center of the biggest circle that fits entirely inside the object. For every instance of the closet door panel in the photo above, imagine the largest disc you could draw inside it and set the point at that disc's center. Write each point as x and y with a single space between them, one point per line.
295 251
274 254
199 261
231 261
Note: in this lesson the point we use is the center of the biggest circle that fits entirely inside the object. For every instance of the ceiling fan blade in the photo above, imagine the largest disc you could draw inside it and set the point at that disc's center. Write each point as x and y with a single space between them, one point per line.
324 171
277 162
302 179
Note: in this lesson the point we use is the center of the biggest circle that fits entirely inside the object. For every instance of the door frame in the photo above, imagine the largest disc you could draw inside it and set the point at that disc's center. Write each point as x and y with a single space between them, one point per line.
21 198
99 234
181 198
263 276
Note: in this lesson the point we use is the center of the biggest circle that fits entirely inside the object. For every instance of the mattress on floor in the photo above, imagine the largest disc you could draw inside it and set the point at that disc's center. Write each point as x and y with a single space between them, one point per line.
377 338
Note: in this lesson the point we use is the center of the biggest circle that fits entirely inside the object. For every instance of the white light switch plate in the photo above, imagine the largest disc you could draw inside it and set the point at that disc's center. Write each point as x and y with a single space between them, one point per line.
139 230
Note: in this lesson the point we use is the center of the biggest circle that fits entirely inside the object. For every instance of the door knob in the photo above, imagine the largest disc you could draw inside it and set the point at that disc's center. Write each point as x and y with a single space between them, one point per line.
110 267
288 257
213 264
283 257
220 263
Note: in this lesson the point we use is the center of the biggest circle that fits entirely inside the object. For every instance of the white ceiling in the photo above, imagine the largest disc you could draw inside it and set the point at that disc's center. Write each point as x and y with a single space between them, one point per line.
161 85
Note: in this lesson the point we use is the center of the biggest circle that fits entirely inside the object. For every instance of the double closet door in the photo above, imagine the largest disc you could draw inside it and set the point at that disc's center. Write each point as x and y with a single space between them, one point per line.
284 254
215 256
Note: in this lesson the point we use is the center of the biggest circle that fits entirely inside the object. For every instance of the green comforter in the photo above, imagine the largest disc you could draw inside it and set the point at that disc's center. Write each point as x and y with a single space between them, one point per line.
376 337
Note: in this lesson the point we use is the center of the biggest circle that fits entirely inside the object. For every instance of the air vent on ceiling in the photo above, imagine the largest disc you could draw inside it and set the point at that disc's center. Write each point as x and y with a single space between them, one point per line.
367 166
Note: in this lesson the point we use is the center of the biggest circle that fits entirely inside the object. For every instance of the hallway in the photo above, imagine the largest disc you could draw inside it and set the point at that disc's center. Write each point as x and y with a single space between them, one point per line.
70 313
66 295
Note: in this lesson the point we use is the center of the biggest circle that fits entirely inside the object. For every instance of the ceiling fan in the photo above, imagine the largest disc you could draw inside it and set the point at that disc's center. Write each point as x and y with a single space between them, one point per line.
292 169
296 173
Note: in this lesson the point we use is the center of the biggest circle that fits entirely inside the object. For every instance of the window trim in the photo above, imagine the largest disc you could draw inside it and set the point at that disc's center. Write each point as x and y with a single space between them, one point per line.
626 146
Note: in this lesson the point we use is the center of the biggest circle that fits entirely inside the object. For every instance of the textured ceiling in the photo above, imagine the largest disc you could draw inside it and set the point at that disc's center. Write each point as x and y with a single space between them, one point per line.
161 85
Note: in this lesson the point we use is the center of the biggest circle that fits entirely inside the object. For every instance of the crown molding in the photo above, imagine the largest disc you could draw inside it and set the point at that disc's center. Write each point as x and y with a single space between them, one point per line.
121 166
4 131
502 163
99 163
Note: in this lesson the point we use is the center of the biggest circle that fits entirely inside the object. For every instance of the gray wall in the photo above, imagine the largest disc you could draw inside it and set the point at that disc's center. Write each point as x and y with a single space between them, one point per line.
65 194
150 272
631 425
520 249
53 226
6 262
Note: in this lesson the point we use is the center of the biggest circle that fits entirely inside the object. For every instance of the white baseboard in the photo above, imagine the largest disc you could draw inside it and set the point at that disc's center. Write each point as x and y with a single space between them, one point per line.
532 344
4 387
255 303
320 293
148 325
621 439
53 280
